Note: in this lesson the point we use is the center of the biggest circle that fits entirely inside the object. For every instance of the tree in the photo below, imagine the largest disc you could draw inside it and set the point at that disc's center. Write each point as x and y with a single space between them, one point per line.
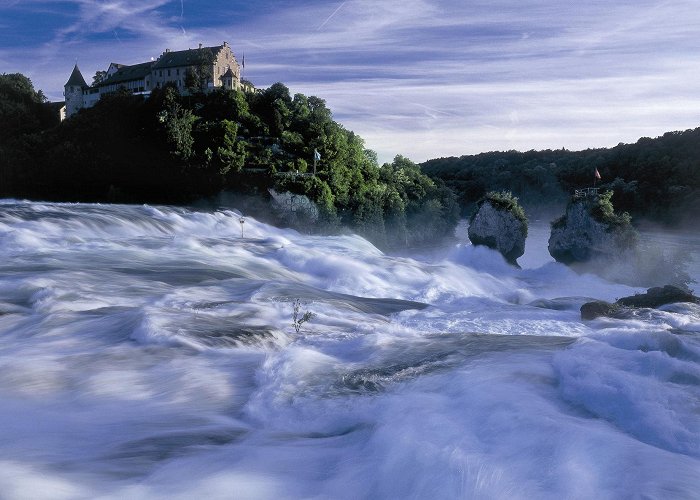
177 123
99 77
199 75
22 108
219 149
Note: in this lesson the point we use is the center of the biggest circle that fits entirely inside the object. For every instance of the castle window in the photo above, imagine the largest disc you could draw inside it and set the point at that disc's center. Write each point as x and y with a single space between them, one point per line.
160 72
168 72
177 71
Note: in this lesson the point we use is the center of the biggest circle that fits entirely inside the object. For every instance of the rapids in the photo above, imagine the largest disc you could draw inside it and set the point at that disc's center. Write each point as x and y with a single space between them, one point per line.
149 352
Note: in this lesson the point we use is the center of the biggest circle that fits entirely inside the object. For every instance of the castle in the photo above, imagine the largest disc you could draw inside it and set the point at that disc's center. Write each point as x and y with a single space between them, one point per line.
205 67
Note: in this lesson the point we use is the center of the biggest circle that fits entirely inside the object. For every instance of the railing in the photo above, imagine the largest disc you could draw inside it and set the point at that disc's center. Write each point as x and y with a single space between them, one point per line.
585 192
294 174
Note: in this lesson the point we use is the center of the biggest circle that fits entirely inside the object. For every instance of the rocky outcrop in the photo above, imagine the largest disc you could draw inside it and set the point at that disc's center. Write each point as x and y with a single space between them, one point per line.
583 233
659 296
294 209
654 297
597 308
498 226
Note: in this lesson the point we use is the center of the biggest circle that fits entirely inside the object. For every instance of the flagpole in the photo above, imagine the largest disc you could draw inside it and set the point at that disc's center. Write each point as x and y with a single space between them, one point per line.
243 67
317 156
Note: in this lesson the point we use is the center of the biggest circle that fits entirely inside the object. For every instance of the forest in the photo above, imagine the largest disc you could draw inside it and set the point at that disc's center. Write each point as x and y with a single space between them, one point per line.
653 179
178 149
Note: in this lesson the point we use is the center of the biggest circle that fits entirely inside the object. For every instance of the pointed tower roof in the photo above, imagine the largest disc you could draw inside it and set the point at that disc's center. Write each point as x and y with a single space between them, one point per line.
76 78
228 74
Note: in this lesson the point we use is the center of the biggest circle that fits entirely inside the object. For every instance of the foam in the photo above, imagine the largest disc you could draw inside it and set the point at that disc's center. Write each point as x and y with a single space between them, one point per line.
149 352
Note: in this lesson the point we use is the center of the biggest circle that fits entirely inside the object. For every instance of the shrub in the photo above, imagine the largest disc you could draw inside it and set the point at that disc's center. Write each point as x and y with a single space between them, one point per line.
506 201
603 211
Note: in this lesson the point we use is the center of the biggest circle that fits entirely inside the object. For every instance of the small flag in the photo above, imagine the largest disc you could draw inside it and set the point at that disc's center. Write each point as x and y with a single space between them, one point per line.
597 174
243 61
317 155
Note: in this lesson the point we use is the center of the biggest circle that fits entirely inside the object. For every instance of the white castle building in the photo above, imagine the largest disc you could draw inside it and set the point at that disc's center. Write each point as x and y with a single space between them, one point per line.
218 65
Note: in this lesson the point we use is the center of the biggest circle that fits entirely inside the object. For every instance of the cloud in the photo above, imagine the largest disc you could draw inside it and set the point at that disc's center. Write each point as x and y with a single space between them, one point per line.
424 78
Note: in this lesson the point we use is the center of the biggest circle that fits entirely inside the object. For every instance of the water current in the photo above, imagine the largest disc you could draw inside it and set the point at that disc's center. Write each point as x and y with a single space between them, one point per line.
150 352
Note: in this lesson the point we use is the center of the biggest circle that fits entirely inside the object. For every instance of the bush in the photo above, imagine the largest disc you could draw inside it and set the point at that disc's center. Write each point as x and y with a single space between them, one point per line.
603 211
506 201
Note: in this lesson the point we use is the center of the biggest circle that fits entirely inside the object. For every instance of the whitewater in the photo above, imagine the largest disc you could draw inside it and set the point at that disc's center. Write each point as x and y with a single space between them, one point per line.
150 352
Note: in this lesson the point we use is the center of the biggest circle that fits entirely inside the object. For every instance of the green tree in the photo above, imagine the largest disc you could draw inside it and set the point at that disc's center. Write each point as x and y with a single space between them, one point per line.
177 123
218 146
99 77
22 108
200 75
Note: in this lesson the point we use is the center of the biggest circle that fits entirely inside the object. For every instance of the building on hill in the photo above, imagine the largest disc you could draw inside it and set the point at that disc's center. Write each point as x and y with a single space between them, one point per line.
201 69
73 91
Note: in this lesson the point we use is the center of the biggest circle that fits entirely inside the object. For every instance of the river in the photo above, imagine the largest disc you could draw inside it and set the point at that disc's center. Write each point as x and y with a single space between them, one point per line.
150 352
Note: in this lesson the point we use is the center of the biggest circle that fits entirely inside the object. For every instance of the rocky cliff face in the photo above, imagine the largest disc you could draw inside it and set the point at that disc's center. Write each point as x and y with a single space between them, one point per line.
498 228
294 209
579 236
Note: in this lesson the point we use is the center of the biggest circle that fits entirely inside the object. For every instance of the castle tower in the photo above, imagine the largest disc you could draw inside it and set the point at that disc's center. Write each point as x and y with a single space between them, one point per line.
228 80
73 91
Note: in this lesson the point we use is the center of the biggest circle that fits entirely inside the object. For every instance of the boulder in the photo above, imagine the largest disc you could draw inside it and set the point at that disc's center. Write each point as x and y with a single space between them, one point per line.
497 226
659 296
654 297
294 209
597 308
583 234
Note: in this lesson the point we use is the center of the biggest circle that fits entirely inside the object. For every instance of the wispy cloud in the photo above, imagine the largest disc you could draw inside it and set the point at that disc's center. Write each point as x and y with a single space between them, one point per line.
331 16
427 78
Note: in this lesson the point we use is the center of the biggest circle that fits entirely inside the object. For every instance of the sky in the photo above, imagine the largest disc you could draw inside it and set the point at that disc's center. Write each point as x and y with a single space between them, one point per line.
421 78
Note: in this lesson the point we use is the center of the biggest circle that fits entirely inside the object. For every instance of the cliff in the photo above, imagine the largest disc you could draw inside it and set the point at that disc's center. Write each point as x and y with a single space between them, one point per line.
590 229
499 223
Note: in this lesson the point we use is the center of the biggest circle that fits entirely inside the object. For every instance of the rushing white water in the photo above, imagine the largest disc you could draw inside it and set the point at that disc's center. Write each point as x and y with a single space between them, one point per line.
150 353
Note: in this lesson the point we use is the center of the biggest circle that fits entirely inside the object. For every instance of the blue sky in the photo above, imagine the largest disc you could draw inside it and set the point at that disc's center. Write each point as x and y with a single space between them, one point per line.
422 78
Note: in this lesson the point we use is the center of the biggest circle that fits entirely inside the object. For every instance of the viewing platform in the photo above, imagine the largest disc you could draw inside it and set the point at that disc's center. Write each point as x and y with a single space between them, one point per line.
586 192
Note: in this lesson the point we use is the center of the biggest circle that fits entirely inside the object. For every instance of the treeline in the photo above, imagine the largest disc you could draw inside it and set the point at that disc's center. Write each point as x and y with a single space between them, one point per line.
175 149
656 179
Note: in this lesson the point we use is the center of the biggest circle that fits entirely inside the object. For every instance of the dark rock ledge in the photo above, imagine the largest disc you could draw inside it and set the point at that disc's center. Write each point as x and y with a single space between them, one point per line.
653 298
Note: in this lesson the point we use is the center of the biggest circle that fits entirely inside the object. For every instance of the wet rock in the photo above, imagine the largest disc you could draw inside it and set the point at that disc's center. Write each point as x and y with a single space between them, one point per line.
587 231
653 298
659 296
294 209
598 308
497 226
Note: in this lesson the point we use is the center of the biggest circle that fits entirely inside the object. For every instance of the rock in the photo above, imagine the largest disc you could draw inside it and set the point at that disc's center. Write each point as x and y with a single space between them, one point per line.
655 297
294 209
558 304
597 308
581 234
658 296
499 227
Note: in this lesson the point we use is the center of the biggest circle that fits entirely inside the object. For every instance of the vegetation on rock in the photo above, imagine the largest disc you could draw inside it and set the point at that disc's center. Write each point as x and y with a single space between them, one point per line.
603 211
506 201
499 223
590 229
